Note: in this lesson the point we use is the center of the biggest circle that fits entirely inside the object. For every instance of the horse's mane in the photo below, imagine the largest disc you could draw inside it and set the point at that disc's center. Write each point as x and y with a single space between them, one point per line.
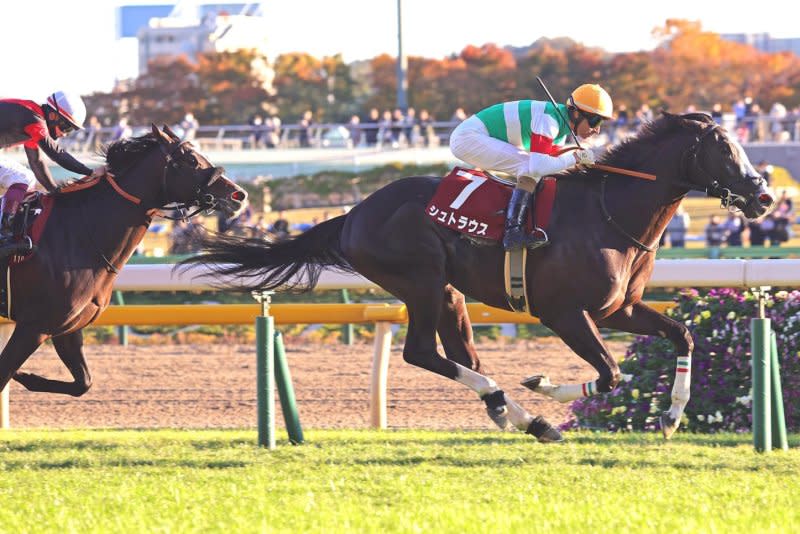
123 153
650 132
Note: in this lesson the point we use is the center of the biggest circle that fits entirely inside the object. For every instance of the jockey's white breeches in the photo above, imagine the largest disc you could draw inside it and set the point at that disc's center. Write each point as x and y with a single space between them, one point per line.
12 173
471 143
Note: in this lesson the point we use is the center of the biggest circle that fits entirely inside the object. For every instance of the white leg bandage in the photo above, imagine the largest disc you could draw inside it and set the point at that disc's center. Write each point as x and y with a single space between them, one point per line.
566 392
475 381
517 414
681 387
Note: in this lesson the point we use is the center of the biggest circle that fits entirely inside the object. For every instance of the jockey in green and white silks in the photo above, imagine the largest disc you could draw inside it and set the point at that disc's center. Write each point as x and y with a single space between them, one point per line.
523 138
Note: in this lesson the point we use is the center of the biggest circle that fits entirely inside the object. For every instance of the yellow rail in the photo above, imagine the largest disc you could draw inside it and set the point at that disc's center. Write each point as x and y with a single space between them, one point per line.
211 314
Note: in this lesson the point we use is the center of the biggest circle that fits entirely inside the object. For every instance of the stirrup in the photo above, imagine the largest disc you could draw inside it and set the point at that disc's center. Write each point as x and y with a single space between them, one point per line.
538 241
10 247
537 238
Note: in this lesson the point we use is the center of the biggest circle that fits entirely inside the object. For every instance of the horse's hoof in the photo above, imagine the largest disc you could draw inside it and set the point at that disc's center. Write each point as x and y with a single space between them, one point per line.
533 382
668 425
496 408
544 431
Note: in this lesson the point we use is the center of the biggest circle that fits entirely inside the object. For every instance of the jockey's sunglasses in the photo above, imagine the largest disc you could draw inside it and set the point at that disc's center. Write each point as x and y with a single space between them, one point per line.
65 126
592 120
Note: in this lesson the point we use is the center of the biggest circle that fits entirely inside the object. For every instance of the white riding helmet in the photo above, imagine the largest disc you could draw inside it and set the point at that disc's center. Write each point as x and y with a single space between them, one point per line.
69 106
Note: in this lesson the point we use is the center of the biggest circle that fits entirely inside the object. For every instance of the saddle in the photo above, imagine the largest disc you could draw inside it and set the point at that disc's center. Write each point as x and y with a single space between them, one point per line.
25 231
481 218
29 221
27 226
473 202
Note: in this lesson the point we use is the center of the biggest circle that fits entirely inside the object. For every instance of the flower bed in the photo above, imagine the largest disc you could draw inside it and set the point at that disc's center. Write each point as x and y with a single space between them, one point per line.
721 379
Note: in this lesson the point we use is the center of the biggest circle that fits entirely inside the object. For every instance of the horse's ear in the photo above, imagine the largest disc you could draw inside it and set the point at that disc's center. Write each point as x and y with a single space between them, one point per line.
158 134
699 117
170 133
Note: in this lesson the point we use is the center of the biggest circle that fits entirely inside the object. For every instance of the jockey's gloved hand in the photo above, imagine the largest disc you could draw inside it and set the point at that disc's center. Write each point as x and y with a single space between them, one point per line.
99 171
584 157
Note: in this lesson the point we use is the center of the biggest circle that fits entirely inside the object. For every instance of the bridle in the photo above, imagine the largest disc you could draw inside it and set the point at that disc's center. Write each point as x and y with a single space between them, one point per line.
203 199
689 162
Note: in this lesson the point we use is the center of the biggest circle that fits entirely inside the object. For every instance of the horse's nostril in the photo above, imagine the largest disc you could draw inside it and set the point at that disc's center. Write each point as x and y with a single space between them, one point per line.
765 199
239 196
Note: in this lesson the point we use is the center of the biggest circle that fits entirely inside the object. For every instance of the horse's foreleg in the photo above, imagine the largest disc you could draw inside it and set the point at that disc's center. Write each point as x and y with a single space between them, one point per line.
580 333
22 343
641 319
69 348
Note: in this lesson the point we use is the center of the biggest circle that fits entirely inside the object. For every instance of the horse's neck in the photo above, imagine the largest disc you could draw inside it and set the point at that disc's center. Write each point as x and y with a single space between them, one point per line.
643 208
118 225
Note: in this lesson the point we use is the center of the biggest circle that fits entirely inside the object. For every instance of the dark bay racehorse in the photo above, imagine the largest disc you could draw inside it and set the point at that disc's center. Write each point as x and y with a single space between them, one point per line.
604 229
89 236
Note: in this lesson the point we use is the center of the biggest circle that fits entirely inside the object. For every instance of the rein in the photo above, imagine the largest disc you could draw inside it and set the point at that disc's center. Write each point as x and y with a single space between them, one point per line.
203 201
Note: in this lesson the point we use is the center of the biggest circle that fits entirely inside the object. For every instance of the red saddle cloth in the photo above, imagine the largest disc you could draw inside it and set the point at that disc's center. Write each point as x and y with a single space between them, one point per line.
473 203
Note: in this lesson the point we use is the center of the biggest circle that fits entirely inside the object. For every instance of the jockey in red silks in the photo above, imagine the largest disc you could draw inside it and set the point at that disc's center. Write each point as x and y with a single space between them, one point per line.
36 127
522 138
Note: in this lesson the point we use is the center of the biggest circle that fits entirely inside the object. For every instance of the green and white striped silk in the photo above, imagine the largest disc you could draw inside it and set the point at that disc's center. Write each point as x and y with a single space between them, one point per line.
517 122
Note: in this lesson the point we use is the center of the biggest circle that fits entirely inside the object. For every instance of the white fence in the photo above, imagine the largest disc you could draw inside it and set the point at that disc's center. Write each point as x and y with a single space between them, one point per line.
667 273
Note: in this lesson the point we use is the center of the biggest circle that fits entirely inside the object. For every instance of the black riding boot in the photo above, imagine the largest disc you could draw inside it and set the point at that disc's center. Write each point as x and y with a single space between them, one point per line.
515 236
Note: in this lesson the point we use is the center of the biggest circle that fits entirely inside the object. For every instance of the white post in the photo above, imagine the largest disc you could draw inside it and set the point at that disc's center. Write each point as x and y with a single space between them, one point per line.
5 422
380 372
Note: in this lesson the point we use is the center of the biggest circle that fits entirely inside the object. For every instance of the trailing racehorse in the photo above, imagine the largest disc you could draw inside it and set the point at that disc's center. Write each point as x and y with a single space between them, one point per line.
92 229
604 230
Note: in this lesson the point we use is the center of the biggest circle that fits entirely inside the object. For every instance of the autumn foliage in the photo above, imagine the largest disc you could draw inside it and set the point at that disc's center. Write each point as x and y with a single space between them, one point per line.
690 67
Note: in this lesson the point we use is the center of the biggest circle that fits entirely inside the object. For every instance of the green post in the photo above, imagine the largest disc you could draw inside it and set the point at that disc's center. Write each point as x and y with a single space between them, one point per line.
779 439
122 331
286 392
347 329
265 372
761 355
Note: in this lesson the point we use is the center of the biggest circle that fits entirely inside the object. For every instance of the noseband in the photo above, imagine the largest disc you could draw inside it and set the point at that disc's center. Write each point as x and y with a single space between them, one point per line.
203 199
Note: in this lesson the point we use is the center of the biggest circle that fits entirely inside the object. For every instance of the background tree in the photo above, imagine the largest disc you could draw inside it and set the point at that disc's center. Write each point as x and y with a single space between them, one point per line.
231 88
690 67
324 86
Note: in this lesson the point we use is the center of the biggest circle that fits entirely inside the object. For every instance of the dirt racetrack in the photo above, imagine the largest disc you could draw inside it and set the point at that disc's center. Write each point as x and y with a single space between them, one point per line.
213 386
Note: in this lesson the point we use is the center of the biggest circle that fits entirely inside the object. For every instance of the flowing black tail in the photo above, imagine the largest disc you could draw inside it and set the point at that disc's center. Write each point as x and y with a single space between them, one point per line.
251 264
